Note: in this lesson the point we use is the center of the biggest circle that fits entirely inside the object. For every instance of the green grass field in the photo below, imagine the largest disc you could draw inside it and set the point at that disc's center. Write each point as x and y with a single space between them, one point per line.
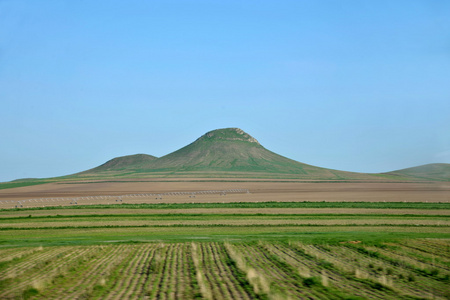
269 250
234 205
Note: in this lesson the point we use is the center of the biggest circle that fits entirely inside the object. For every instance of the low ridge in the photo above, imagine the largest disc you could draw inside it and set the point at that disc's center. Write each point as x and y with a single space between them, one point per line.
124 162
438 171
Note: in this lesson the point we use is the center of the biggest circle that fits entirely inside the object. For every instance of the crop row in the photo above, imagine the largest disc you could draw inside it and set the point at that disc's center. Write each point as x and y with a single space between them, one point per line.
270 204
228 270
127 220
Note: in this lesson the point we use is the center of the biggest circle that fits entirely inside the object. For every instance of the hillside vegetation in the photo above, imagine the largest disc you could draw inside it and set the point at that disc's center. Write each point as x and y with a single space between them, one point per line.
233 154
226 152
439 172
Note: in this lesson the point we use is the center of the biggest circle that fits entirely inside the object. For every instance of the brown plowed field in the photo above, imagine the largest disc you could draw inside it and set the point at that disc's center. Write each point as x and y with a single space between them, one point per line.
259 191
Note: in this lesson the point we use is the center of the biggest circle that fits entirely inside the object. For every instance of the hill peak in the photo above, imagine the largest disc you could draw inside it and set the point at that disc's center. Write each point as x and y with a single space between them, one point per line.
229 134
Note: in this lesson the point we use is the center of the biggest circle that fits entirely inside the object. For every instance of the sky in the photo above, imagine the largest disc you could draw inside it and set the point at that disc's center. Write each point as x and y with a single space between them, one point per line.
352 85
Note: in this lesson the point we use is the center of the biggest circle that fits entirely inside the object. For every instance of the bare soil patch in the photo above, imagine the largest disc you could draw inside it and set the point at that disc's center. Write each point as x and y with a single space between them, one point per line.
259 191
277 211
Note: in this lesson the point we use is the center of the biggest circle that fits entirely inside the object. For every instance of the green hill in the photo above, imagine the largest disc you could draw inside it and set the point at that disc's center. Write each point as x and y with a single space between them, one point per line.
124 162
230 153
440 172
226 152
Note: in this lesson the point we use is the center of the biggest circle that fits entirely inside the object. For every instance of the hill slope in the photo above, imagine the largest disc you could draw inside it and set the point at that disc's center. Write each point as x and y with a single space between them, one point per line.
228 152
135 161
232 150
425 172
231 153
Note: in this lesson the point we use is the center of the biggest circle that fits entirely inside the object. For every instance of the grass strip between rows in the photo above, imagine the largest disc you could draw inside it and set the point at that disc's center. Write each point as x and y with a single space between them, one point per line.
216 216
219 225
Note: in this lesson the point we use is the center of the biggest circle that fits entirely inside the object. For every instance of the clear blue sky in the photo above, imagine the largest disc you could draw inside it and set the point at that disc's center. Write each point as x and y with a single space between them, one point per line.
351 85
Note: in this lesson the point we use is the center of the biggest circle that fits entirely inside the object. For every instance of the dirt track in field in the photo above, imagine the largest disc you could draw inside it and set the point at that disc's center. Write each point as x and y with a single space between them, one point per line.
259 191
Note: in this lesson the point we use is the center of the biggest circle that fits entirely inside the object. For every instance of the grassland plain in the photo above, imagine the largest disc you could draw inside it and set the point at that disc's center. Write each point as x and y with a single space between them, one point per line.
264 250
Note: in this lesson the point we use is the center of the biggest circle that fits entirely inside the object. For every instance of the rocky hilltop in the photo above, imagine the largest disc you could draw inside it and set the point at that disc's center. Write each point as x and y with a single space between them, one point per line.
229 134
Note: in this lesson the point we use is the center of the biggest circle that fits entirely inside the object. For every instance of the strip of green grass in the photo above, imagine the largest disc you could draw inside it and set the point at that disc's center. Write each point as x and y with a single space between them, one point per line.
75 227
10 185
307 234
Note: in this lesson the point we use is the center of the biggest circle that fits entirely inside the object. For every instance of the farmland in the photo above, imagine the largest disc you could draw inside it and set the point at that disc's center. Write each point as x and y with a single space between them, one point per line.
213 246
413 269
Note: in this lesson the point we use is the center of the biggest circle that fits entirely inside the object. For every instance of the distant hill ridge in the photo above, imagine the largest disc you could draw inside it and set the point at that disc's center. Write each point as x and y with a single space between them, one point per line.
231 152
438 171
